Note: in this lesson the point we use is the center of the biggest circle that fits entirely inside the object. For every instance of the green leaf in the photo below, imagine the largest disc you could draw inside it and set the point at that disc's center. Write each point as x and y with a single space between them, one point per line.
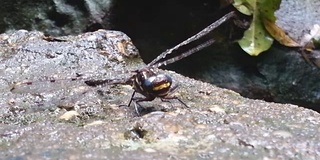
267 9
256 39
243 6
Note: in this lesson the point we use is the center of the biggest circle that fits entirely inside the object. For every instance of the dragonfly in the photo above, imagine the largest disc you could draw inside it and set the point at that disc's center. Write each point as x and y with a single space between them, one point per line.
151 84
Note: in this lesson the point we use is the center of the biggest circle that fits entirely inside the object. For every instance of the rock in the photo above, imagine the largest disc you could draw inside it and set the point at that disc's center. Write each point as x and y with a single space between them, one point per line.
297 18
54 17
157 27
290 78
220 124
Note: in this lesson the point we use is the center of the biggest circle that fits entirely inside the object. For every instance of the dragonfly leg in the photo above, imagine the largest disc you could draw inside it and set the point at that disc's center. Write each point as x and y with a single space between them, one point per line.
168 97
136 101
132 97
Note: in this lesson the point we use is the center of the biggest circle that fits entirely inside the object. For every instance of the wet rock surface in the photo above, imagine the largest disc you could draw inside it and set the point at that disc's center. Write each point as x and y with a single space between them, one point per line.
69 120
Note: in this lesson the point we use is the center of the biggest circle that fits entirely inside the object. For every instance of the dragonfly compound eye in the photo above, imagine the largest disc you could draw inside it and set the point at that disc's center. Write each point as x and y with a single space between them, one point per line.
158 84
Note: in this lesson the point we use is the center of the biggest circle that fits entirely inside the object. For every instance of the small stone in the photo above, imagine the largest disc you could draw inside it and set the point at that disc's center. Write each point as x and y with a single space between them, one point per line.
94 123
68 115
217 109
150 150
282 133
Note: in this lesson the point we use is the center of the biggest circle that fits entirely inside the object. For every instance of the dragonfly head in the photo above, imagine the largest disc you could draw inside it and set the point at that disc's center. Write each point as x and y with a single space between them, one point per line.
151 83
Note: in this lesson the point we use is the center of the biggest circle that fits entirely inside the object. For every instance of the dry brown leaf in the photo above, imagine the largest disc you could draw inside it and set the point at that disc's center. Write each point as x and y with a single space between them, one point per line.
279 34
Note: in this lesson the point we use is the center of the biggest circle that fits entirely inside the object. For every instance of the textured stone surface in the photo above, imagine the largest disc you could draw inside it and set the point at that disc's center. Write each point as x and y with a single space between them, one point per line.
54 17
219 124
155 27
298 17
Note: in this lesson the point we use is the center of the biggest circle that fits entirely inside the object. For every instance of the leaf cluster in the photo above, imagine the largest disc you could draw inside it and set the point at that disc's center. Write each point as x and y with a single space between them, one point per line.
263 29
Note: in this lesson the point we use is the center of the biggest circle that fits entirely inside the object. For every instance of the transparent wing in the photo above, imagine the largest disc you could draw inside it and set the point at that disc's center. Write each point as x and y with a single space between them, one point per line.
197 36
